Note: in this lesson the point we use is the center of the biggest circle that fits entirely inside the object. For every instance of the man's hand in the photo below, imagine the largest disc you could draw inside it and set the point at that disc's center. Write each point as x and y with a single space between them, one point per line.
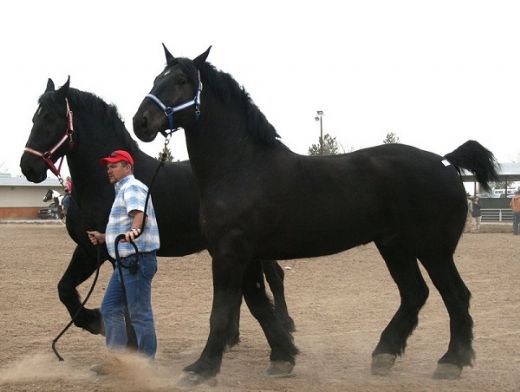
132 234
96 237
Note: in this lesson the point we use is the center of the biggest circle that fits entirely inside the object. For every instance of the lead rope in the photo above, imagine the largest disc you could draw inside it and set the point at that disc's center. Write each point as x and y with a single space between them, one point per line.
135 264
162 160
80 307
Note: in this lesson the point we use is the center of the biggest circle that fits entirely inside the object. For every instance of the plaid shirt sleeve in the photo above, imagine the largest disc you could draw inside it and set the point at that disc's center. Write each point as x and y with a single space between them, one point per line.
135 197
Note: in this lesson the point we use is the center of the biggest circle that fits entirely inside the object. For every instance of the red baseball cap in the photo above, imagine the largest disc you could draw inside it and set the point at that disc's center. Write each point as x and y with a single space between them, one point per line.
118 156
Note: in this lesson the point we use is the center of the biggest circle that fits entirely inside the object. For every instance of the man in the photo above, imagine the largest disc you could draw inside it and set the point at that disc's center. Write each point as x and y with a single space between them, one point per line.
515 206
66 197
127 217
476 213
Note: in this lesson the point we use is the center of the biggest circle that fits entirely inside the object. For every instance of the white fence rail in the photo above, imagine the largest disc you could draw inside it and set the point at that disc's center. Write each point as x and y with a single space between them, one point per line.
497 215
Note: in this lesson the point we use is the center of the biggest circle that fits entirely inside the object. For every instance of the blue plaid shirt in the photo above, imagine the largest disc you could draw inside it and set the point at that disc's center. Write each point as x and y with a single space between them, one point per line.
131 195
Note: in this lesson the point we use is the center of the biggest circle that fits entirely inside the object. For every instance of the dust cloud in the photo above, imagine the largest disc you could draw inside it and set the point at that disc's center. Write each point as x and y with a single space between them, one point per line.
35 367
128 371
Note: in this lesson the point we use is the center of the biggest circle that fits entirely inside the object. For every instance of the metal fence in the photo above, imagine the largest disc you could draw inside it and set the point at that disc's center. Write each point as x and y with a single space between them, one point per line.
497 215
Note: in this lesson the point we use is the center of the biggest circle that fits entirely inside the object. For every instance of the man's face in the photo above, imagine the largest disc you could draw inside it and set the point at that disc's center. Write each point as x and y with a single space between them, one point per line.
117 171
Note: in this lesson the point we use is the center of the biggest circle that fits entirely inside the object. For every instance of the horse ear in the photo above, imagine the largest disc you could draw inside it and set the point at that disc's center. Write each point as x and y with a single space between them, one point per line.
63 90
50 85
169 57
201 59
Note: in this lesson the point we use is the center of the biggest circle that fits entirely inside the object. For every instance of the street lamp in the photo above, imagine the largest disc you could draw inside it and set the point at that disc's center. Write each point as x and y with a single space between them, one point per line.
319 118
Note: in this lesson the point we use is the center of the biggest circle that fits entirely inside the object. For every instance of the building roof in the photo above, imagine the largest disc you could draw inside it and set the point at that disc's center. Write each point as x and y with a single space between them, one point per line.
22 181
508 171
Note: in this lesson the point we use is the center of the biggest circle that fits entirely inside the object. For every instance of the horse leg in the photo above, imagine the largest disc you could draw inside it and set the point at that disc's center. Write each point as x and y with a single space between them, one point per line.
81 267
228 272
274 275
403 267
234 330
279 337
456 297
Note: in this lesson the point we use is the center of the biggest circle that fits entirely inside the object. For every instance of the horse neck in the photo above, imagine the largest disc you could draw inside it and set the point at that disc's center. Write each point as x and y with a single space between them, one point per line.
96 139
219 142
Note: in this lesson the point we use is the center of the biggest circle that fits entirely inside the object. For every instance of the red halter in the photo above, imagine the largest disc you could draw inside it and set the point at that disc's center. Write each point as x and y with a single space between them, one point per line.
47 155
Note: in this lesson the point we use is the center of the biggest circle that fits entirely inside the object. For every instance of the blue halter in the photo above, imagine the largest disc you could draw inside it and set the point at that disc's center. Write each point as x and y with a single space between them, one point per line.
169 110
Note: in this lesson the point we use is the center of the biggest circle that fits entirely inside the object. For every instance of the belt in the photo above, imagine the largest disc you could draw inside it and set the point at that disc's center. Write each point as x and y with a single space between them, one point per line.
139 253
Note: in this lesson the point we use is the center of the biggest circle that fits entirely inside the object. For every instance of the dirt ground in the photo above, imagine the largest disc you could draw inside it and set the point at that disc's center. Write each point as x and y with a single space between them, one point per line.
340 305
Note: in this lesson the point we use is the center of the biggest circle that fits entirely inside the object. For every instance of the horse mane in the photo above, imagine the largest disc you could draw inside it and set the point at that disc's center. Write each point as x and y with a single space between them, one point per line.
101 113
228 89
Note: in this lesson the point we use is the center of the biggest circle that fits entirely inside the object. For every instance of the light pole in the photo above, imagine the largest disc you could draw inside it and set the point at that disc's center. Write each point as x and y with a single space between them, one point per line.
319 118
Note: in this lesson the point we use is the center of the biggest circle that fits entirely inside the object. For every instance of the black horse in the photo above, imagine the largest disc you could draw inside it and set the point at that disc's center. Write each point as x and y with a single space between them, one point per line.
261 200
95 131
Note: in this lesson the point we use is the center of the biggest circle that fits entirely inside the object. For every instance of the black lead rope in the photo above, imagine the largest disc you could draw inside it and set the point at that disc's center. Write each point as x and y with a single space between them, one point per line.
80 307
118 263
133 266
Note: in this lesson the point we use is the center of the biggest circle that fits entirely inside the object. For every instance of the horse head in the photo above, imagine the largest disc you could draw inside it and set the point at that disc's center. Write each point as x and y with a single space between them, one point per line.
52 127
174 101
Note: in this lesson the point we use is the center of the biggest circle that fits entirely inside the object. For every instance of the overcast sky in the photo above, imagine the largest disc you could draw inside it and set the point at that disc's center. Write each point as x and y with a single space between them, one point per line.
436 73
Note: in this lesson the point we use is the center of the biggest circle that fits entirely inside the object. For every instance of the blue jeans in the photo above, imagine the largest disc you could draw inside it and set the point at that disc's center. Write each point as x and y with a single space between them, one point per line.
516 222
139 296
66 201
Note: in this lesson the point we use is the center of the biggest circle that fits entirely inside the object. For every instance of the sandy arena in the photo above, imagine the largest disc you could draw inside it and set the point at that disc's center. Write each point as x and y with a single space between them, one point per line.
340 305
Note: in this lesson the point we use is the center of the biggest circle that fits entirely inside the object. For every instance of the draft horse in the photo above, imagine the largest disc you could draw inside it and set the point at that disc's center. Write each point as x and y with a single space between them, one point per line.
94 132
261 200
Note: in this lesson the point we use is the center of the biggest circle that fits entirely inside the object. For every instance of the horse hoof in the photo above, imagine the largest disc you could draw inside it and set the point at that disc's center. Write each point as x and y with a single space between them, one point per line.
289 325
447 371
382 363
232 343
279 369
191 379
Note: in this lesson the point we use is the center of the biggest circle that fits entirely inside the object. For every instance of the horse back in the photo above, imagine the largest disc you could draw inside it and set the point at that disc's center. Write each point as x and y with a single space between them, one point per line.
301 206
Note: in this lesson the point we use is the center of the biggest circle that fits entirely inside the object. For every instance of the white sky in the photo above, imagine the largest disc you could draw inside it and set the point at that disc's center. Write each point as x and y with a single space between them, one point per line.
436 73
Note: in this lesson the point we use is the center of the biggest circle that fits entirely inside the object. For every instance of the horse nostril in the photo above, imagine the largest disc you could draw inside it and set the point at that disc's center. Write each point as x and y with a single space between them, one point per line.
140 122
144 121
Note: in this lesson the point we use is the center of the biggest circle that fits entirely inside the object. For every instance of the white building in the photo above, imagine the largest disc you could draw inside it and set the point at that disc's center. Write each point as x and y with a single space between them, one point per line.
21 199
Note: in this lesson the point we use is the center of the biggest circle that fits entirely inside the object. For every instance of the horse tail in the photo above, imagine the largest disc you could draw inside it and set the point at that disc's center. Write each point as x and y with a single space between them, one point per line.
474 157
